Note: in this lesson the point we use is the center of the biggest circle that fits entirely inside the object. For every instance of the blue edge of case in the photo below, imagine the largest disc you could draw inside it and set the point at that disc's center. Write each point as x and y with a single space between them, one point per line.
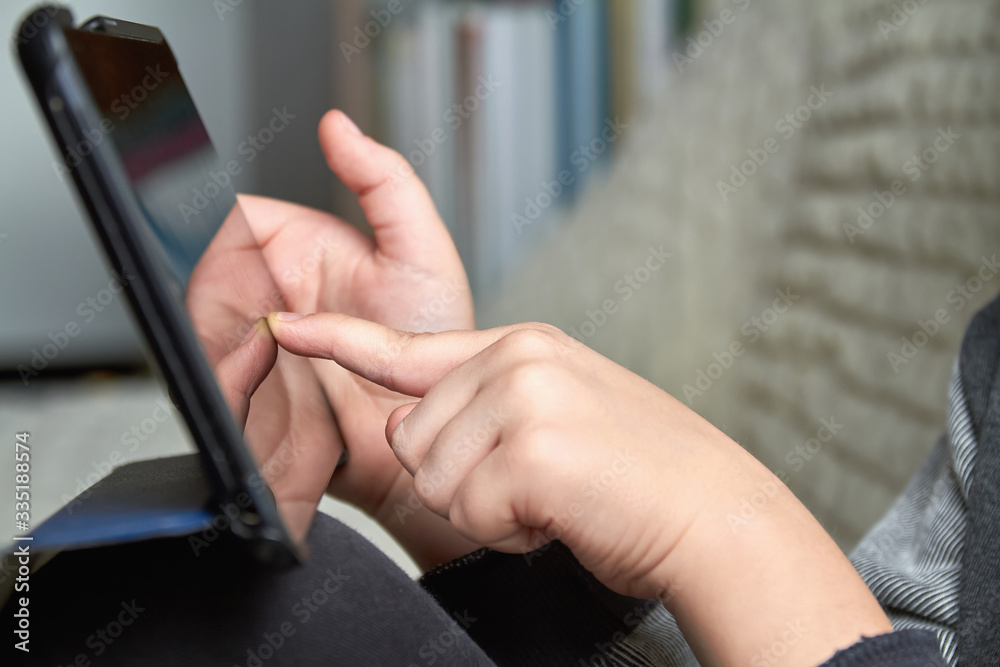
138 501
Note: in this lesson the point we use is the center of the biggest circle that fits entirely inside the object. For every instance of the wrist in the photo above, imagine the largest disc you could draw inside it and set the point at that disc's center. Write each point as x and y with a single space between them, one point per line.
756 574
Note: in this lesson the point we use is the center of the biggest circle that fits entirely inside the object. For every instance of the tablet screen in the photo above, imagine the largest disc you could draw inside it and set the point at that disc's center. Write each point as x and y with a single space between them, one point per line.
190 220
149 117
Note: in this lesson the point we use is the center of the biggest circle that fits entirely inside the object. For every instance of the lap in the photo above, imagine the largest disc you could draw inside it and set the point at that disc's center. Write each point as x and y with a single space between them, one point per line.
158 602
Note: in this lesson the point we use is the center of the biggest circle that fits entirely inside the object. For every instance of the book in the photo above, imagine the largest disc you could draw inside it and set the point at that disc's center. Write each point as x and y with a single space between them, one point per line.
491 101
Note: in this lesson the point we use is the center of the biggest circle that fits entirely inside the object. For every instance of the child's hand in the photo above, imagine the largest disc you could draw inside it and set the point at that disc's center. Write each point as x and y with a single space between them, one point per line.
523 435
274 255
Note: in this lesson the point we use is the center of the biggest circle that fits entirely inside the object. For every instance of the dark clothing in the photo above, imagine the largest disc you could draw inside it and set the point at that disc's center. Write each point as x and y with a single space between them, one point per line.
979 592
157 603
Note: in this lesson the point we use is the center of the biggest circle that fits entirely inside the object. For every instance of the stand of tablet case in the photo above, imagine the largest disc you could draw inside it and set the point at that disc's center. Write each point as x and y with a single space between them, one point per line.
137 501
143 500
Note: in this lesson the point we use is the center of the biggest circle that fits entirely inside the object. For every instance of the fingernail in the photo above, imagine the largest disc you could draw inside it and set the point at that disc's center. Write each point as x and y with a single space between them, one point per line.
287 317
352 126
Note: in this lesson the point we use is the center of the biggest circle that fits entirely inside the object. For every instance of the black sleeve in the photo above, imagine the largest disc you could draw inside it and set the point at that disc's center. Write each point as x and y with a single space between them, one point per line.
538 608
905 648
544 608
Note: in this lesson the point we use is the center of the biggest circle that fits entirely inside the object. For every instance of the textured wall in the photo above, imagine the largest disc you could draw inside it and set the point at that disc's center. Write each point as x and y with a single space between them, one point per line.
853 295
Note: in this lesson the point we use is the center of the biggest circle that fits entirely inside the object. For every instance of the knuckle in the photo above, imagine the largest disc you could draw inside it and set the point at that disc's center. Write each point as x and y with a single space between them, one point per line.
399 342
531 340
392 351
401 168
535 378
393 156
546 328
539 447
470 511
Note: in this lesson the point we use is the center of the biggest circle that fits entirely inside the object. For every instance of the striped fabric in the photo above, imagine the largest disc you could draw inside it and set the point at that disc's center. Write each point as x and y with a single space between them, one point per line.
656 642
827 356
911 559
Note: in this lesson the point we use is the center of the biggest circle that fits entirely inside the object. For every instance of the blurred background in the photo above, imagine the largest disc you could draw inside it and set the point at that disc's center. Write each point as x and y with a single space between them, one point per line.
825 178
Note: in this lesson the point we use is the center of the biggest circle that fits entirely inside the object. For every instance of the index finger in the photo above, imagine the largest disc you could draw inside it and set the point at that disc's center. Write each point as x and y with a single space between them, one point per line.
410 363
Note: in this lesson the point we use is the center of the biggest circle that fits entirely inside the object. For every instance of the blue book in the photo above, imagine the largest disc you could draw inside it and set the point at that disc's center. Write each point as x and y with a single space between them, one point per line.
583 90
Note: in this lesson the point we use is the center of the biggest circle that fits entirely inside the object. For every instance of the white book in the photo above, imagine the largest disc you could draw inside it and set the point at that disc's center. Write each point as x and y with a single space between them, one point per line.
469 35
396 84
536 166
587 76
652 45
496 186
435 82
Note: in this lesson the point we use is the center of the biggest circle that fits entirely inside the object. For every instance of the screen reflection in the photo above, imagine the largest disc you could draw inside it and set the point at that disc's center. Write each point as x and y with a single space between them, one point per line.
209 256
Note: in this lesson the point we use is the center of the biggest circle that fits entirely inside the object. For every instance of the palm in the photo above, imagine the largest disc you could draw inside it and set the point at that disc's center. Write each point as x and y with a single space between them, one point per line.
321 264
291 430
288 257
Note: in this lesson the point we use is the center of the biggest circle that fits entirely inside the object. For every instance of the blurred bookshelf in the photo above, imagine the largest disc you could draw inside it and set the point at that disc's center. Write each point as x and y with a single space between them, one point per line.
505 109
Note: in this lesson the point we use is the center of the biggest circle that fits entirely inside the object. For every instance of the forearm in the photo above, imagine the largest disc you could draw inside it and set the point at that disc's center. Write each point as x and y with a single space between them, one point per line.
767 585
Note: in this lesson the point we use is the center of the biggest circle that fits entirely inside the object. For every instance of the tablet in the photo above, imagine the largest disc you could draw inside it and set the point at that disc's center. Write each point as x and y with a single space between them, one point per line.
132 142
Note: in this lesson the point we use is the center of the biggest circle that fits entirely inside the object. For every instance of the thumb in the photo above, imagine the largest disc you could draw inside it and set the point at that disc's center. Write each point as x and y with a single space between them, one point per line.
396 417
240 372
396 203
405 362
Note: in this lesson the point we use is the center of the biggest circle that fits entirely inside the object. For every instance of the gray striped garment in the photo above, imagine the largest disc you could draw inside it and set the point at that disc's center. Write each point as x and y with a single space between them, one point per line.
911 559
